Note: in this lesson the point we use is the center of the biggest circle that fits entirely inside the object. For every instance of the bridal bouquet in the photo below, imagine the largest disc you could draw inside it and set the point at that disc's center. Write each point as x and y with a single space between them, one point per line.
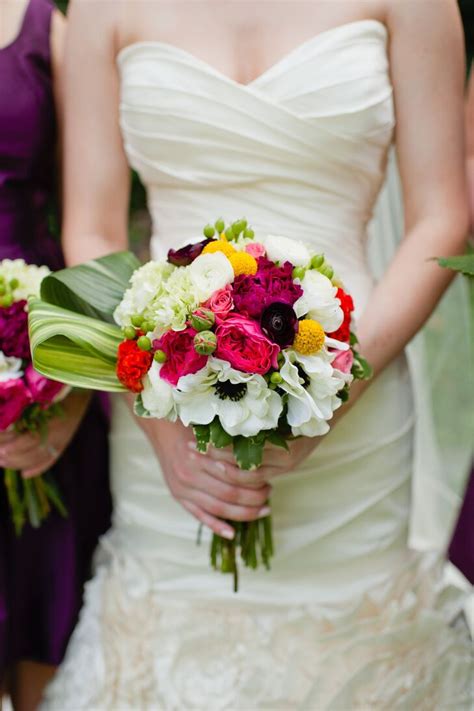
246 340
27 399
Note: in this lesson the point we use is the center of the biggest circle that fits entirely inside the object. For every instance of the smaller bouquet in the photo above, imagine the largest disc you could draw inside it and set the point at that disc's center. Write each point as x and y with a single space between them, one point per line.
27 399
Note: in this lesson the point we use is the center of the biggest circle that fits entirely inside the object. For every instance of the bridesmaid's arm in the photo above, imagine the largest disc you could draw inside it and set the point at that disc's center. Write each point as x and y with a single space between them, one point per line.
470 145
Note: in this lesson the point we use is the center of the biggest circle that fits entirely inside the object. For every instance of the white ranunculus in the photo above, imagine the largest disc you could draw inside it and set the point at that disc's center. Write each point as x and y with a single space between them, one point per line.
157 395
283 249
210 272
319 301
312 399
213 391
10 367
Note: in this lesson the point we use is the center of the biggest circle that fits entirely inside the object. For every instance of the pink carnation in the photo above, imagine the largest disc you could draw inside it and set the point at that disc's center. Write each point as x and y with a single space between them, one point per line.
343 361
240 341
43 390
221 303
14 398
181 358
256 249
253 293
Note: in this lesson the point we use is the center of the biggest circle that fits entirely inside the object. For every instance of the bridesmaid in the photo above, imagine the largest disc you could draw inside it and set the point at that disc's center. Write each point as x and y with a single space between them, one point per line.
42 572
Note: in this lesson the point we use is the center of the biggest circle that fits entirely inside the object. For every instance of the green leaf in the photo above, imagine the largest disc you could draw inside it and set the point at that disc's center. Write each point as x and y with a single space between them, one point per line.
463 263
139 408
248 451
353 340
203 436
361 370
219 437
277 439
74 349
93 289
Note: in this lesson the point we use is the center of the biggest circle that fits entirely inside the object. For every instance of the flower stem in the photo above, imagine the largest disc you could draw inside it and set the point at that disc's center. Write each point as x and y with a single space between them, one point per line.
12 481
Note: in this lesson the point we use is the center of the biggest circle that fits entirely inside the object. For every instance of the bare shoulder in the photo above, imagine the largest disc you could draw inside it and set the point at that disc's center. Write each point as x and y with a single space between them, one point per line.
96 21
432 22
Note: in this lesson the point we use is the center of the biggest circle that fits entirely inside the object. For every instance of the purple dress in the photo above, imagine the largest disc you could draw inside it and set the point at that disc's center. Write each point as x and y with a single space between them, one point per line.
42 573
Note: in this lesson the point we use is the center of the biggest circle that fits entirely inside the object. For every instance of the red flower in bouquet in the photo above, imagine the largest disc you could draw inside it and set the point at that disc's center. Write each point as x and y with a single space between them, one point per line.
14 339
14 398
253 293
132 365
241 342
181 356
343 333
43 390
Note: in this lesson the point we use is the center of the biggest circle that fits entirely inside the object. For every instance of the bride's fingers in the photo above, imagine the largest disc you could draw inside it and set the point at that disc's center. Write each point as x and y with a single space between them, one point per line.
228 473
220 527
219 508
228 493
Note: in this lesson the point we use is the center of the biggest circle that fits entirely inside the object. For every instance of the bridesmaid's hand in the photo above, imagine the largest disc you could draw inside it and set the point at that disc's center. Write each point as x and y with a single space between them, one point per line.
210 490
32 455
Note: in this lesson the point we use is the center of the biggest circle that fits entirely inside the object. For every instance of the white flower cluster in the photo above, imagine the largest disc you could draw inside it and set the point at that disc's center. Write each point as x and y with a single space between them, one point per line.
10 368
29 277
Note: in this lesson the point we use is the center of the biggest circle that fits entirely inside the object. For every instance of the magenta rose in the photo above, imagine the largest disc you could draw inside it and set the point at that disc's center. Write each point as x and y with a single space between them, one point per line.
343 361
14 340
14 398
43 390
253 293
240 341
181 357
221 303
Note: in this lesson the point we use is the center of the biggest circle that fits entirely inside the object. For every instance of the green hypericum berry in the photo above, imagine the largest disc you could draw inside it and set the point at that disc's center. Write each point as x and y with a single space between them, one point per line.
298 273
280 359
14 284
2 279
129 333
144 343
137 320
317 261
276 378
327 271
248 233
6 301
205 342
219 225
3 289
209 231
229 233
238 227
147 326
244 225
160 356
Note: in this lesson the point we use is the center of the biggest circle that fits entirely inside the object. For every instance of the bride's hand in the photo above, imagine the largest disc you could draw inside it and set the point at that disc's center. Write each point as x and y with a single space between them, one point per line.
209 489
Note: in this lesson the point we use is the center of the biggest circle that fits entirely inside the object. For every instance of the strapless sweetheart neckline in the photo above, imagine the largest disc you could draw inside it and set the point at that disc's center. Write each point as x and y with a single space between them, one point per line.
291 54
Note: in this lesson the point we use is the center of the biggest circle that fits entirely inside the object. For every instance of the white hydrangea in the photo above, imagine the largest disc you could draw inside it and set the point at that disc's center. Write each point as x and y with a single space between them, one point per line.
29 277
319 301
283 249
146 284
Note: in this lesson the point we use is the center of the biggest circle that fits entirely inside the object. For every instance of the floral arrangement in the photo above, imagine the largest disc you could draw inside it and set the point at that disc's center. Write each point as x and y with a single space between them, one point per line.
248 341
28 400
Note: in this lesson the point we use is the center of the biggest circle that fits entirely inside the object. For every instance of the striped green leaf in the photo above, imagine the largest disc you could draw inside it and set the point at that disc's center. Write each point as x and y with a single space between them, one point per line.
463 263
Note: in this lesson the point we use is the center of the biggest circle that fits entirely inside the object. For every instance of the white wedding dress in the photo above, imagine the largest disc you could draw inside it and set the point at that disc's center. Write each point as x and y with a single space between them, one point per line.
349 617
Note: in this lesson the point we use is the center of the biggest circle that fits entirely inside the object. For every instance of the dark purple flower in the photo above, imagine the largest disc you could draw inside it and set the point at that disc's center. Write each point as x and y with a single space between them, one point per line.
14 340
280 323
186 255
253 293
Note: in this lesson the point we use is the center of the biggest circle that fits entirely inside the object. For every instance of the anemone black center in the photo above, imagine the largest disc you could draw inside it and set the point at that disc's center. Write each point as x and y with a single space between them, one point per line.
230 391
304 376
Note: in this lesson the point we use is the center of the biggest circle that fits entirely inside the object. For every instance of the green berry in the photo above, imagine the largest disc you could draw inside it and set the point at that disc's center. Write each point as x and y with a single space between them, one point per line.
281 359
209 231
298 273
248 233
219 225
160 356
327 271
6 301
147 326
14 284
244 225
238 227
137 320
129 333
276 378
3 289
144 343
317 261
229 233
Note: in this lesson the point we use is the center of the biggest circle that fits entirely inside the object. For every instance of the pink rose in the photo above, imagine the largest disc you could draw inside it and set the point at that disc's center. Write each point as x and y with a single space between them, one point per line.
256 249
14 398
240 341
221 303
181 357
43 390
343 361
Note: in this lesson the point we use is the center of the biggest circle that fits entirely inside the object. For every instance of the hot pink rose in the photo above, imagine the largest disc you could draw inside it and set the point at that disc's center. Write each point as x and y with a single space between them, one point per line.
14 398
181 358
343 361
256 249
43 390
240 341
221 303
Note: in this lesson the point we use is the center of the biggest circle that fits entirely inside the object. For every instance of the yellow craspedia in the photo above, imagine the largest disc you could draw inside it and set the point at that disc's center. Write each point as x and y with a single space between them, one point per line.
219 245
243 263
310 337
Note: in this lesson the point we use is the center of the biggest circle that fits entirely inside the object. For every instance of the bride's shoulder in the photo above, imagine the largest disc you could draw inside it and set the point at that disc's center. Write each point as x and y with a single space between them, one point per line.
423 19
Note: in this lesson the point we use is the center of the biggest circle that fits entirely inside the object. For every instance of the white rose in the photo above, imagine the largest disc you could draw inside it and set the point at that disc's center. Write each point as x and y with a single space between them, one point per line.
157 395
319 301
210 272
10 368
283 249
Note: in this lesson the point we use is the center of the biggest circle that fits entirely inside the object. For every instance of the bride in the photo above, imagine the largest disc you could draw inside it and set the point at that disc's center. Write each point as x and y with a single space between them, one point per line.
284 112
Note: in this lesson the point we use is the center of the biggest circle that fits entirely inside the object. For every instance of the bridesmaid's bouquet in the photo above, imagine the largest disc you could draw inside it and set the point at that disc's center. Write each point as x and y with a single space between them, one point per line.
28 400
247 341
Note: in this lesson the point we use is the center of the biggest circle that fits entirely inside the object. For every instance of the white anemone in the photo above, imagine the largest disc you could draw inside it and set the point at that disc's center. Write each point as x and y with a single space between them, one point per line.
157 395
283 249
10 367
312 391
242 401
319 301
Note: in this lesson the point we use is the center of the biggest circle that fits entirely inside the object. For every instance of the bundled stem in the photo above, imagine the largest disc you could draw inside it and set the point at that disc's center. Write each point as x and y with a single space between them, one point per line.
31 499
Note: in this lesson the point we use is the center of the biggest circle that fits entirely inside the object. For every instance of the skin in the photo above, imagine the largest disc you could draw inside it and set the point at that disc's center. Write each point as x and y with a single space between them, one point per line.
27 680
470 146
430 153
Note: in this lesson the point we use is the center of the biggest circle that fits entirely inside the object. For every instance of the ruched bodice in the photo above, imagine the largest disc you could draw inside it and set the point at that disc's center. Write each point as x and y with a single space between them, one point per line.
301 150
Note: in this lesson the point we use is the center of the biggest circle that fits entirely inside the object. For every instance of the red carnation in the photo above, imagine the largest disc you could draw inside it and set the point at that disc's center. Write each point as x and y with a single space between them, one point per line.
132 365
343 333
